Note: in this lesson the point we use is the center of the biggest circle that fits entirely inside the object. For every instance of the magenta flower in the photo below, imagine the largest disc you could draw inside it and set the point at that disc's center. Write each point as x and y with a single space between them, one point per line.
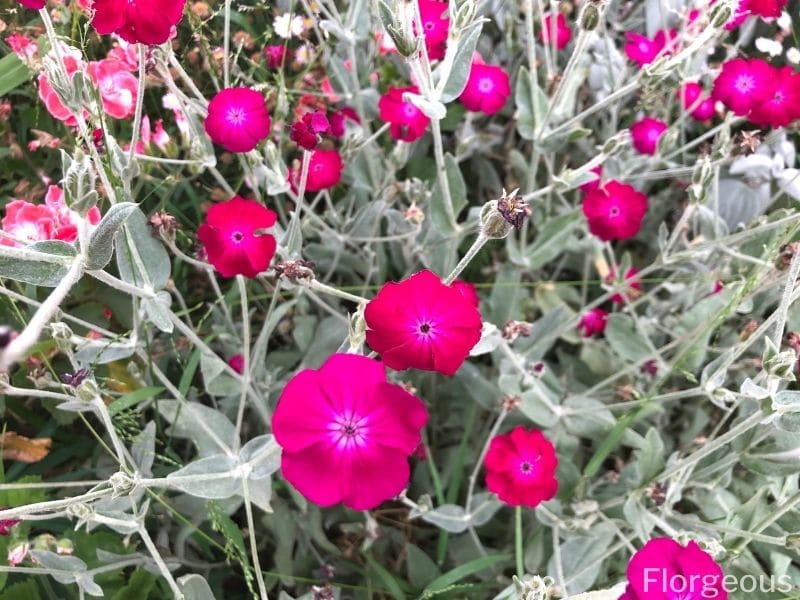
324 171
743 84
642 50
421 323
6 525
782 105
276 56
645 134
614 211
694 100
665 570
34 4
563 31
306 132
768 9
406 121
236 362
233 237
339 119
487 89
634 285
347 433
237 119
436 27
467 290
521 467
146 21
593 322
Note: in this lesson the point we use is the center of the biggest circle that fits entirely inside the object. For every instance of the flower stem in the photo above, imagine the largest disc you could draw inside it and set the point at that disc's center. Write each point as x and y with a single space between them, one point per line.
242 284
226 63
441 173
479 243
292 237
518 542
137 118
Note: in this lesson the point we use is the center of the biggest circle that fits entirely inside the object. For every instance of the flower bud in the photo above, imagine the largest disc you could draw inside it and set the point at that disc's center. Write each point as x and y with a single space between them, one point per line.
589 17
65 547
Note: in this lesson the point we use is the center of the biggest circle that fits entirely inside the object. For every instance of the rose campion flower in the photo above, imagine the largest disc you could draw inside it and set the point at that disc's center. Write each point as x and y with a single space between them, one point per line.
117 86
467 290
782 105
276 55
406 121
234 240
593 322
339 120
521 467
33 4
306 132
24 47
487 89
26 223
51 100
436 27
421 323
237 119
645 134
768 9
236 363
743 84
324 171
665 570
347 433
614 211
145 21
634 285
694 99
6 525
563 31
642 50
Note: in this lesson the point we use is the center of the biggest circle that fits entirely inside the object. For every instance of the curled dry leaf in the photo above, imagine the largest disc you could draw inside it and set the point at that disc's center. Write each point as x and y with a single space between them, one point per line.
24 449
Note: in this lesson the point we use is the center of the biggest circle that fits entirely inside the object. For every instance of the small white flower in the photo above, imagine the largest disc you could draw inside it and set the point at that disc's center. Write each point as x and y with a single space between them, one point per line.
303 55
785 21
769 46
793 56
287 26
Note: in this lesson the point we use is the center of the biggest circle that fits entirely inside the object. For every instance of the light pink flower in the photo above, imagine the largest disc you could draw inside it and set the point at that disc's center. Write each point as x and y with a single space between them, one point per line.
117 86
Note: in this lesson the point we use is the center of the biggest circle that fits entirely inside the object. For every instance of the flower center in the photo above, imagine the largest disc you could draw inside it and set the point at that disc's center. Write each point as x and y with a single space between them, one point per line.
778 98
236 115
348 431
527 466
425 329
237 237
485 85
614 211
744 84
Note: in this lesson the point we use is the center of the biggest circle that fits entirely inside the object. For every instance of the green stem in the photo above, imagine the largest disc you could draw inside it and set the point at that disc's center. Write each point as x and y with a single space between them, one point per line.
518 543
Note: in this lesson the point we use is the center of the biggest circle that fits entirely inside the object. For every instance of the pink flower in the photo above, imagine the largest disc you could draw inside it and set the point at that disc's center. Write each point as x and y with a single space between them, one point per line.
347 433
23 47
237 119
324 171
146 21
593 322
768 9
701 106
487 89
127 54
665 570
339 120
642 50
521 467
26 223
233 237
645 134
276 55
237 363
6 525
306 132
634 285
118 87
593 185
435 27
48 95
17 553
421 323
467 290
407 122
563 31
743 84
614 211
33 4
782 105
